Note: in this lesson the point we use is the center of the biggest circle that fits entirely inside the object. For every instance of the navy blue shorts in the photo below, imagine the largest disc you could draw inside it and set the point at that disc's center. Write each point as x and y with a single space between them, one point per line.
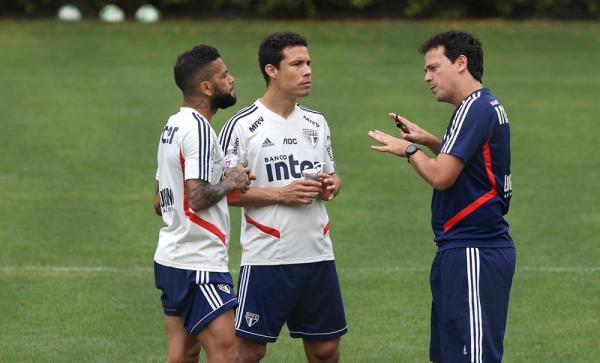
306 296
198 296
470 289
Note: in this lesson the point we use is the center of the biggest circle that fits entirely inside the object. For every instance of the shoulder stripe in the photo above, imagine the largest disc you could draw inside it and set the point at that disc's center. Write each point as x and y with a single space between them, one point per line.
460 115
452 128
225 136
309 110
243 110
204 147
458 120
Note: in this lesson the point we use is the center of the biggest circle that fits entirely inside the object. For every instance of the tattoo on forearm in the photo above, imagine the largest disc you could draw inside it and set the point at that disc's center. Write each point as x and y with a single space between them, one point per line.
203 195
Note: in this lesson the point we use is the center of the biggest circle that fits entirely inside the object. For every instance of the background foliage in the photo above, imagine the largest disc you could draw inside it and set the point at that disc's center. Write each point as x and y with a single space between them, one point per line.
411 9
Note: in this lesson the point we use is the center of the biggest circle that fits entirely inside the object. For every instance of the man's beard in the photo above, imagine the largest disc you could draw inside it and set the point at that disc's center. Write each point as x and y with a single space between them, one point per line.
222 100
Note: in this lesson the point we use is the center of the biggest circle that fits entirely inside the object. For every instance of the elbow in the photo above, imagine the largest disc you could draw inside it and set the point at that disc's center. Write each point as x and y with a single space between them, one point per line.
195 206
443 171
440 187
441 184
157 208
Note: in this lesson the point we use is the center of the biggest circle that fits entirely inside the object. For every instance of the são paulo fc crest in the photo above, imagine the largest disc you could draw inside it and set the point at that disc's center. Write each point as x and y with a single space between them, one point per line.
223 288
251 318
312 136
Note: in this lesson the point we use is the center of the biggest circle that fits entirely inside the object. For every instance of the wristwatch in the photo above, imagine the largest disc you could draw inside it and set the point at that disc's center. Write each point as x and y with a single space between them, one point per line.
411 149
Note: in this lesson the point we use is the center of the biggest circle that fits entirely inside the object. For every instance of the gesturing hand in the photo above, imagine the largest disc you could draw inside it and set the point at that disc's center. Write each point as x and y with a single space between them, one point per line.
412 132
388 143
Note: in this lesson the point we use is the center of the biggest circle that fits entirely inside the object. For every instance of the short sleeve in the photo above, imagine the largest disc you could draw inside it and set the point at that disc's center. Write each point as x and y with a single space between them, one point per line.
470 128
196 150
230 140
329 163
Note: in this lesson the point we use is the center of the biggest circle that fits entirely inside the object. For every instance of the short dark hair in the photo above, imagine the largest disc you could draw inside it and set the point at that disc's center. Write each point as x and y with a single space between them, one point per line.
191 63
458 43
271 49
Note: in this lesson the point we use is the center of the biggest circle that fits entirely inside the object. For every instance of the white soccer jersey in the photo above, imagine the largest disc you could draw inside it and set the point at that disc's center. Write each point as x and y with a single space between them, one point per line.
188 149
276 150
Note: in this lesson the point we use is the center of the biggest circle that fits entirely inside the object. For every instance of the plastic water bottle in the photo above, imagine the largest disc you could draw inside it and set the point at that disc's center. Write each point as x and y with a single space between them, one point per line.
231 162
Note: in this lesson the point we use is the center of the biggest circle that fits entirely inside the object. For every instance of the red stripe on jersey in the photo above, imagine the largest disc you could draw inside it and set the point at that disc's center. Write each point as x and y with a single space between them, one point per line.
487 157
326 229
266 229
194 217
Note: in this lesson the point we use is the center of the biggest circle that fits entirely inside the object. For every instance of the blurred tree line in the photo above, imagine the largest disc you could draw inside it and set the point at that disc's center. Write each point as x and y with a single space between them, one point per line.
327 9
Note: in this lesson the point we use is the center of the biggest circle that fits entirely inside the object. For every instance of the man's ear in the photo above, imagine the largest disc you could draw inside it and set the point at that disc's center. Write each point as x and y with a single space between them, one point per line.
206 88
461 62
271 71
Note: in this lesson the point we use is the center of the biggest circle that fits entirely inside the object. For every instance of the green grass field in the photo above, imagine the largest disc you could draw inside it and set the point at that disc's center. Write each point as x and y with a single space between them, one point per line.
82 107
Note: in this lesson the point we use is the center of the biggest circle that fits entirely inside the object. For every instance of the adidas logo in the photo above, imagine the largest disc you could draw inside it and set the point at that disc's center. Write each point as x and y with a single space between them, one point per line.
267 143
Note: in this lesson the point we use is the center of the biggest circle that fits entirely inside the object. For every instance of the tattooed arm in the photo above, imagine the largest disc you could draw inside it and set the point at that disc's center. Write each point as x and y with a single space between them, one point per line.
203 195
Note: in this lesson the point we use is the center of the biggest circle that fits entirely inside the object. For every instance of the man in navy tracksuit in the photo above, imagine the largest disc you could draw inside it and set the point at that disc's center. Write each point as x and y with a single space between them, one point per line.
472 272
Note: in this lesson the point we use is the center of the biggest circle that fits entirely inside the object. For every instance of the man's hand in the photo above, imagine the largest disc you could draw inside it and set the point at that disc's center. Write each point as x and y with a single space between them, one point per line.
203 195
416 134
239 178
330 187
388 143
300 192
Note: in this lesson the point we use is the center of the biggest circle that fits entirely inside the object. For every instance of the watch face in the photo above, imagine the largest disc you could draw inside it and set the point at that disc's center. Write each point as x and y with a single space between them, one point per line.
411 149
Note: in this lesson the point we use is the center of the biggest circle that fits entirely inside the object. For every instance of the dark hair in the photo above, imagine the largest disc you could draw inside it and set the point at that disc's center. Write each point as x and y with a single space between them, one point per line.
271 49
191 63
458 43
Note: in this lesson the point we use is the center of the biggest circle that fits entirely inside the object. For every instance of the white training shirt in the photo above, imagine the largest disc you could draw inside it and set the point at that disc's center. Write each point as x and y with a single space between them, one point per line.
188 149
276 150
